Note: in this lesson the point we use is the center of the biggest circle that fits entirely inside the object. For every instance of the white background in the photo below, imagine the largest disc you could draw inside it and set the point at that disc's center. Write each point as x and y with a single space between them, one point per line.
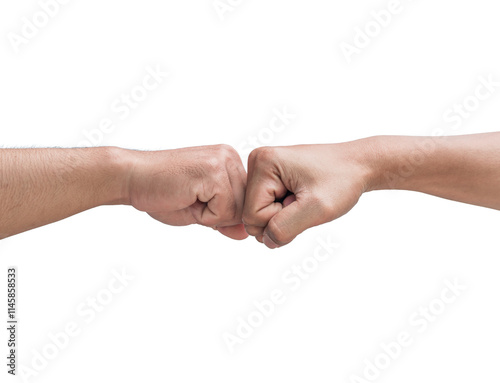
191 284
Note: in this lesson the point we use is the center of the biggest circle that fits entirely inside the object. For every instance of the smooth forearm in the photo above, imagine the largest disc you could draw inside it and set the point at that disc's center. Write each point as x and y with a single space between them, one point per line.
40 186
460 168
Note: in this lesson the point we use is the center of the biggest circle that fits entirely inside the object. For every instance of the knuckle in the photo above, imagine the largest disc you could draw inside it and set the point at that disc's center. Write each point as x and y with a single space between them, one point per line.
251 219
263 154
226 151
321 206
220 156
247 218
224 147
215 164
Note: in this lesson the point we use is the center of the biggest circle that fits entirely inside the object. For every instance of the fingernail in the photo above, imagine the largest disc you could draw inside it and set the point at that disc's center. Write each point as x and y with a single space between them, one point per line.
269 242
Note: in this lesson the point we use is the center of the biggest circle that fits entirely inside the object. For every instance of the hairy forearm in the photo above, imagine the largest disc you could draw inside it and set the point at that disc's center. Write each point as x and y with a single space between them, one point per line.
41 186
461 168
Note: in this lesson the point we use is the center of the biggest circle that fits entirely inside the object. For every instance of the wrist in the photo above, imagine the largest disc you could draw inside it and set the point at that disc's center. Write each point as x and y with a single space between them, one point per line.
401 162
378 160
370 159
118 165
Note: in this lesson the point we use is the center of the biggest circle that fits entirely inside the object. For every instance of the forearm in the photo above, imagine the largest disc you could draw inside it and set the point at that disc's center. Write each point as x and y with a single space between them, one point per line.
41 186
460 168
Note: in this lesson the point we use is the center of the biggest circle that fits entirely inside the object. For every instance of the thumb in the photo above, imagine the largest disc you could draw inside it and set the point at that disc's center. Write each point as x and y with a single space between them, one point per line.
293 219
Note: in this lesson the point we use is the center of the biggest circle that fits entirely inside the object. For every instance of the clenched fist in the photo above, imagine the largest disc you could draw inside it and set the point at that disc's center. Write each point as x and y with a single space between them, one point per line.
289 188
294 188
203 185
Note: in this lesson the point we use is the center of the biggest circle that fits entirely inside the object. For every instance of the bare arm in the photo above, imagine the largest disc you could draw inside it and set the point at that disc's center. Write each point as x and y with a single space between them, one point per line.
40 186
461 168
203 185
293 188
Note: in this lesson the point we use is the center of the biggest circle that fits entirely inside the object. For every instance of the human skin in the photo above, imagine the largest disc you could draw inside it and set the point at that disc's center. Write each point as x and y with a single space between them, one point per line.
291 189
203 185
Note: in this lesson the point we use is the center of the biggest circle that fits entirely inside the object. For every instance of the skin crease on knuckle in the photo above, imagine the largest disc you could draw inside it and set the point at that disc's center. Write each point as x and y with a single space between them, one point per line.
226 210
263 155
253 218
